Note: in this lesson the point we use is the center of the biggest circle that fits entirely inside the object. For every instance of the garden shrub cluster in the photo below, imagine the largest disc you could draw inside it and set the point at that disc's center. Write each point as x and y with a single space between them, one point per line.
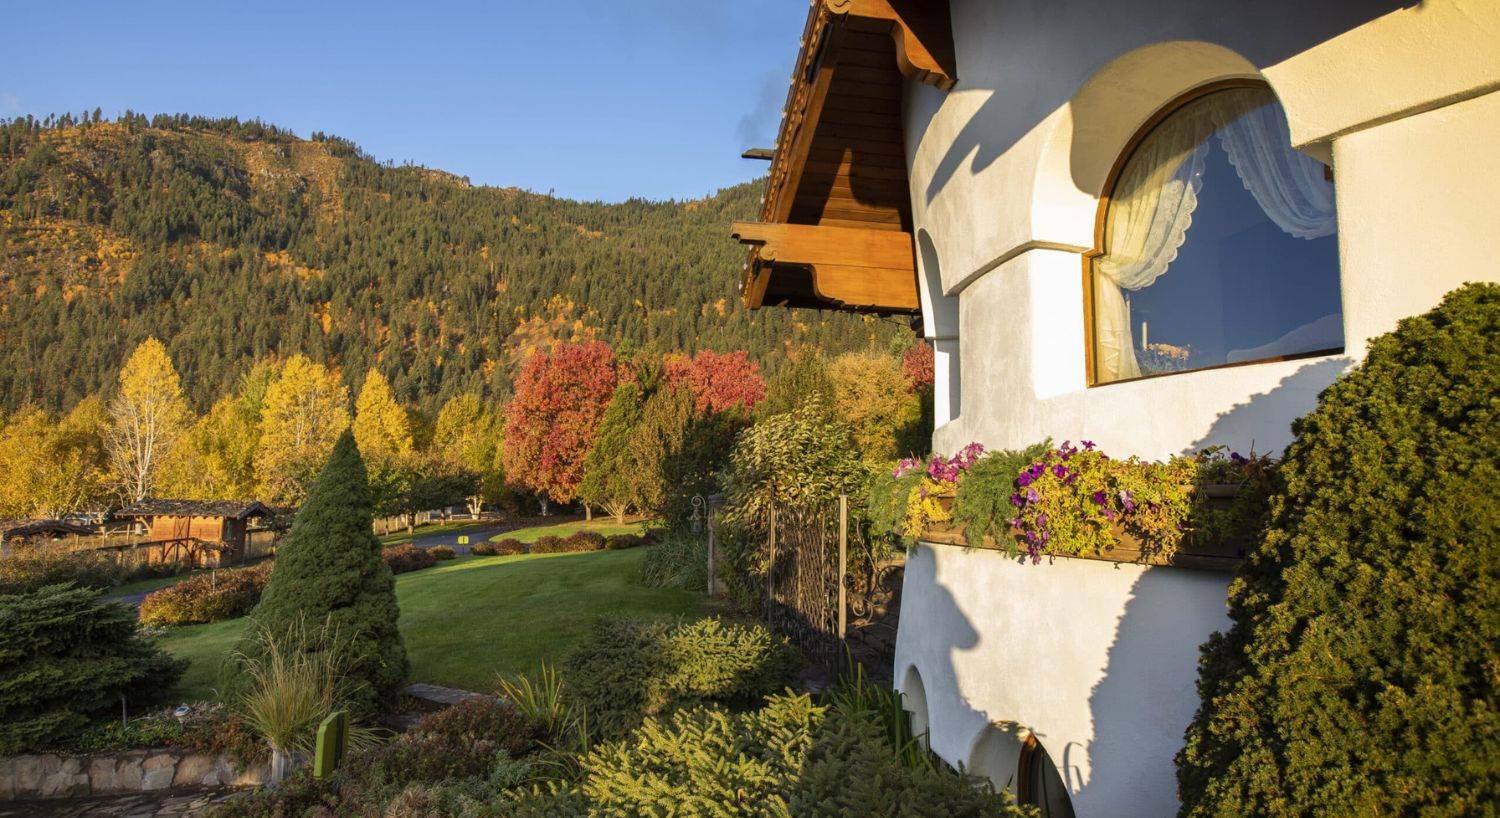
1358 677
628 670
210 597
405 558
458 742
617 542
29 568
791 757
66 659
573 543
442 553
206 728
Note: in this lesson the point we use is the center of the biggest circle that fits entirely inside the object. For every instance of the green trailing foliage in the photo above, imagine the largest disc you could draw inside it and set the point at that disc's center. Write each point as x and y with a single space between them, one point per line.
1359 675
66 659
983 505
630 670
790 758
329 570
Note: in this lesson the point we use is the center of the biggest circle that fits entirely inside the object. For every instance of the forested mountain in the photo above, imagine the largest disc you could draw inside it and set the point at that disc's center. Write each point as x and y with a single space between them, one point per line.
232 241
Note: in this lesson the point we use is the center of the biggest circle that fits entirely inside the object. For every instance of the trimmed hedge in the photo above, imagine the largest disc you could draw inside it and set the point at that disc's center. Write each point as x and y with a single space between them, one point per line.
509 547
66 658
617 542
628 670
1359 675
573 543
406 557
208 597
586 541
442 553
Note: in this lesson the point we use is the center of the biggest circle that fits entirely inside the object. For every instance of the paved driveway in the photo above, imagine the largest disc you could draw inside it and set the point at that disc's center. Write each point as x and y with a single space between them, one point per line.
484 531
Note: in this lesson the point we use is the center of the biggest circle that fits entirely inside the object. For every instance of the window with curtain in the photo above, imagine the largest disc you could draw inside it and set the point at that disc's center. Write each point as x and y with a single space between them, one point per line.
1219 245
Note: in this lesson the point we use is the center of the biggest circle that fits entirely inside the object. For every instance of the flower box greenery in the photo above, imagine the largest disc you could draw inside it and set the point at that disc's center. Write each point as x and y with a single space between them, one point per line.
1075 501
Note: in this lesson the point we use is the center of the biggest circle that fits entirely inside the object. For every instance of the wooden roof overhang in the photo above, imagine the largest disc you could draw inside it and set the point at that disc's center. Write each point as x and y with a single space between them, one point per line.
835 226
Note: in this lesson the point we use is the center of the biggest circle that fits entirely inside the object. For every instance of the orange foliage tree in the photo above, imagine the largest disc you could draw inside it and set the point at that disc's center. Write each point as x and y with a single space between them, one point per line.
551 422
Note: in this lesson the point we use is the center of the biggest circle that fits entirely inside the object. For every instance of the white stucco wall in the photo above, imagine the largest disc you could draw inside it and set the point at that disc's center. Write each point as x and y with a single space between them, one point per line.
1006 170
1097 659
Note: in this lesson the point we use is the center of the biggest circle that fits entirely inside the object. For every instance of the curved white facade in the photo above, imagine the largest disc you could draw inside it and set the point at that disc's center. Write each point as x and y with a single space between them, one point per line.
1098 660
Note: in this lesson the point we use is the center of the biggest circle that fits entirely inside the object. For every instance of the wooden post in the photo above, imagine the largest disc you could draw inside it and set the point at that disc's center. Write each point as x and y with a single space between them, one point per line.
843 559
771 570
712 556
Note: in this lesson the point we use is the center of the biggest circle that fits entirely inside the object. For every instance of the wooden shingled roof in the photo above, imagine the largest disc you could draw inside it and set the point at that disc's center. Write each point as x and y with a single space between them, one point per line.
237 509
835 227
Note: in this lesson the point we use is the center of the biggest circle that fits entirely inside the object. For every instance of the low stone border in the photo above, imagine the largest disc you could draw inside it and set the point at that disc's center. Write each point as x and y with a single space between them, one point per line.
56 776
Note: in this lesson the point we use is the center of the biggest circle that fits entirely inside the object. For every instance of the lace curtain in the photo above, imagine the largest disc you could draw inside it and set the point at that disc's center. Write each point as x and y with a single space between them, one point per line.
1151 208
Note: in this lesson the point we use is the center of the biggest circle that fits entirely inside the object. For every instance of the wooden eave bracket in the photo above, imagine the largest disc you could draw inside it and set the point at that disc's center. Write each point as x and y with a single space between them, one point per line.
922 31
851 267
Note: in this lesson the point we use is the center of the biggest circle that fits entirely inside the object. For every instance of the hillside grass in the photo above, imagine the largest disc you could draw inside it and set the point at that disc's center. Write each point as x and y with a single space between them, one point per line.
605 526
465 621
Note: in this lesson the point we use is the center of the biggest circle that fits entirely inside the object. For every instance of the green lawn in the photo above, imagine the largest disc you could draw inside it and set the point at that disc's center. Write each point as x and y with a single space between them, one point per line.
604 526
465 620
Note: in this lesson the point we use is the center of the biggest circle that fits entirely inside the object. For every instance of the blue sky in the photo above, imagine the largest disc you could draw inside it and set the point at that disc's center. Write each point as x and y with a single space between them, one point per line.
593 99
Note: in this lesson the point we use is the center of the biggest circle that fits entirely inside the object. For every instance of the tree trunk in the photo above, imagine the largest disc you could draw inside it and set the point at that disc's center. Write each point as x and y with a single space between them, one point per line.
544 505
588 513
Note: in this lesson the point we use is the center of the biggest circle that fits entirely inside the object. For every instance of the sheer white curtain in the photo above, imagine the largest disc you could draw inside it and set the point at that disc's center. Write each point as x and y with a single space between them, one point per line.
1151 206
1289 186
1150 212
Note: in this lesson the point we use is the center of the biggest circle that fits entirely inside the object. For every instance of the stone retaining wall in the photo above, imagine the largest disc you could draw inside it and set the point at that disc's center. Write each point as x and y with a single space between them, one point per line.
55 776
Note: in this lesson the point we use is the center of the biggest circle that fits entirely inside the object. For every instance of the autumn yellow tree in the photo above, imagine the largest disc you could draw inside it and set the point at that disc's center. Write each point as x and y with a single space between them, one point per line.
871 397
216 458
305 410
147 416
382 429
49 467
468 437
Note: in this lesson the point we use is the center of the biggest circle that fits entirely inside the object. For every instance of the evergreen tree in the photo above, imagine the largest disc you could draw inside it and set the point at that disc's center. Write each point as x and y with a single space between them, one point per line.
1359 675
329 572
665 420
609 481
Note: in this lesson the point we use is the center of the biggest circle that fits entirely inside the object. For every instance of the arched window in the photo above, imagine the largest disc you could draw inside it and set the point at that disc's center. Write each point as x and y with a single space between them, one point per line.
1040 784
1216 243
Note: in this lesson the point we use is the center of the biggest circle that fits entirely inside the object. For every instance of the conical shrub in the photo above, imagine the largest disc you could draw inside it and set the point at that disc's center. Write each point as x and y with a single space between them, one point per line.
329 574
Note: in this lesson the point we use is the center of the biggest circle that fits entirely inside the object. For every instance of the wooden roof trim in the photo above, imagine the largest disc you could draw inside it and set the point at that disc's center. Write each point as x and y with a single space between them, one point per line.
853 268
922 31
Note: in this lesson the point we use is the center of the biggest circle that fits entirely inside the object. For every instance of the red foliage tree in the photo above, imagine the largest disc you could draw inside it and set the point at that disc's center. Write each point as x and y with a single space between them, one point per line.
718 382
916 365
551 422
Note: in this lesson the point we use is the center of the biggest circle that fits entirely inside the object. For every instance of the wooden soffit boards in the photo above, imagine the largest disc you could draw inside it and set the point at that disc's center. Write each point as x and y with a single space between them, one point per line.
849 268
840 159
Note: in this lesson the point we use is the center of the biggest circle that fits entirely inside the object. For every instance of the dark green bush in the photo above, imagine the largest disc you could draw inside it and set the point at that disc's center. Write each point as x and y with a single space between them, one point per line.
458 742
586 541
66 658
509 547
789 758
442 553
329 572
405 558
208 597
29 568
628 670
617 542
580 541
1359 675
484 549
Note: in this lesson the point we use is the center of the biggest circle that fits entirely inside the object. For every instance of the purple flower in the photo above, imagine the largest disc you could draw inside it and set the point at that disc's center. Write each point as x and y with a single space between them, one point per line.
1109 514
1024 479
1126 501
1015 522
1088 445
1071 479
1060 470
1237 459
1041 522
1100 498
1032 496
1017 500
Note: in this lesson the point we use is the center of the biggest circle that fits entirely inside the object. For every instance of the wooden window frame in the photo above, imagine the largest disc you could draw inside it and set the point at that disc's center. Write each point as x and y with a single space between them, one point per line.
1090 339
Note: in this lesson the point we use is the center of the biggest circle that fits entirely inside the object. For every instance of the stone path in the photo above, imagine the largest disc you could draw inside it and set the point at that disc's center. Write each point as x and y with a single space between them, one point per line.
134 805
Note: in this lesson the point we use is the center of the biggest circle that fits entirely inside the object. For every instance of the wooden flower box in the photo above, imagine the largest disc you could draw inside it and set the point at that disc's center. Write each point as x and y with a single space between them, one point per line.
1193 552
